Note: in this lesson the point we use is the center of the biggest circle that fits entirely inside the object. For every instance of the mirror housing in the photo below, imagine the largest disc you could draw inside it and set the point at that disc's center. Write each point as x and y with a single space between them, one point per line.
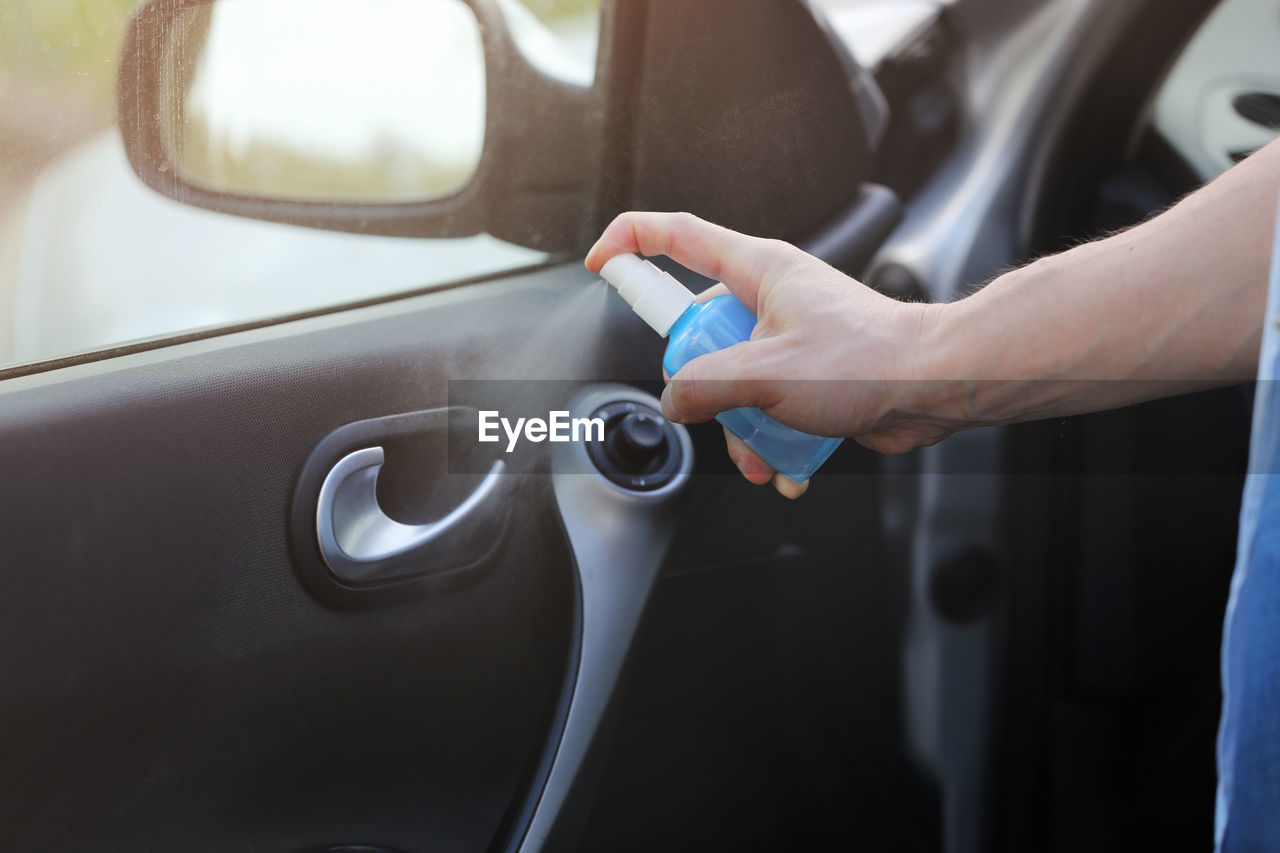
548 166
746 112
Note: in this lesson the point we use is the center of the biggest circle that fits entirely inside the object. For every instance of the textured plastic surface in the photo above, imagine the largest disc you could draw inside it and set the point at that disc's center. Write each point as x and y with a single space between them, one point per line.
177 688
723 322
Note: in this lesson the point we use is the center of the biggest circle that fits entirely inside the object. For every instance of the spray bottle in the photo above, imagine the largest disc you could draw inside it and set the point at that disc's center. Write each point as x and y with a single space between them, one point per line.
699 328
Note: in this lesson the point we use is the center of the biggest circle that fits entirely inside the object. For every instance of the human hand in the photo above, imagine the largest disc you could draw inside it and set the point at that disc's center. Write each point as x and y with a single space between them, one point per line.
828 355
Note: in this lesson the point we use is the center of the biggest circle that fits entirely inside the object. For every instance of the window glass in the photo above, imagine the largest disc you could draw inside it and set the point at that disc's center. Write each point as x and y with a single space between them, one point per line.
90 257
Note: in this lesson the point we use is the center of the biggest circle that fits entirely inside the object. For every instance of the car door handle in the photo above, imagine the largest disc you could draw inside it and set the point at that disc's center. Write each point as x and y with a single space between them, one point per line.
359 542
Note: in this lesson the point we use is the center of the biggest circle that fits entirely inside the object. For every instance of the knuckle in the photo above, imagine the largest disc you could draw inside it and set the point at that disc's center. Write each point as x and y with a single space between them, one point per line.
783 250
755 363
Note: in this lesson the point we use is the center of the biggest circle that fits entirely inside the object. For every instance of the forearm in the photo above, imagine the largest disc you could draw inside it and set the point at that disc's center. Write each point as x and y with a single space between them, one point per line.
1172 305
1169 306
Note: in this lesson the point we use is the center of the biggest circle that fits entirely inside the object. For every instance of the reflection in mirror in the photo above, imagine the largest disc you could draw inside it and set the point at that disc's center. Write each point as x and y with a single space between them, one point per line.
327 100
559 37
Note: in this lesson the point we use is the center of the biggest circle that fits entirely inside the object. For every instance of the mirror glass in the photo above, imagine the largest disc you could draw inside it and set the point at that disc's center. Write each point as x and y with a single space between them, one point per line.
326 100
558 37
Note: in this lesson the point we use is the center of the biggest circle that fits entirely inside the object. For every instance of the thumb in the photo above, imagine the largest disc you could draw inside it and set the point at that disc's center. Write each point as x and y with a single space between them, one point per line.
716 382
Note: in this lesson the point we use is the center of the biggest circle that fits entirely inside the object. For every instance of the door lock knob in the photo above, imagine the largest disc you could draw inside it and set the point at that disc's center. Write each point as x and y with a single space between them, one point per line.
638 439
641 450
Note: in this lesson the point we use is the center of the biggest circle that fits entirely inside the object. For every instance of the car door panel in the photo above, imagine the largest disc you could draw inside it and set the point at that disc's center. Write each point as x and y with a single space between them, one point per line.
170 684
162 638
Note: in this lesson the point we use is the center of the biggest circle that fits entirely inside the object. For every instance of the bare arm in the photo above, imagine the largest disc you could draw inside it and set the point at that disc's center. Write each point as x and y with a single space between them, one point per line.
1172 305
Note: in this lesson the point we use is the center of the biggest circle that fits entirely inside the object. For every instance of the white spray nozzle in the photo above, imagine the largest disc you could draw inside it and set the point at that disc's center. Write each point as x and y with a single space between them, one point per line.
656 297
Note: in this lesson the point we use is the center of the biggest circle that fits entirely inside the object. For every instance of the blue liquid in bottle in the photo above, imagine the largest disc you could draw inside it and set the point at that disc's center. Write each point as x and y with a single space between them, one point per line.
722 322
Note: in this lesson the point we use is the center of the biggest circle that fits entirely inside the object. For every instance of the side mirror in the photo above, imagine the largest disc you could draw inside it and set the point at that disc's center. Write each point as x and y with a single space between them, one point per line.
448 118
391 117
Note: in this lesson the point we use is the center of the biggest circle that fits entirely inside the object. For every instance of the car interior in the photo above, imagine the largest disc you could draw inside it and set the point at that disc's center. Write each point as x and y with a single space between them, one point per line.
1005 642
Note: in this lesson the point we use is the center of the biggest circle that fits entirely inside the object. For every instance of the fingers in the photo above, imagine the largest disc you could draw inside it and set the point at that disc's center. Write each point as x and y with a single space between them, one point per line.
789 488
711 293
740 261
715 382
757 471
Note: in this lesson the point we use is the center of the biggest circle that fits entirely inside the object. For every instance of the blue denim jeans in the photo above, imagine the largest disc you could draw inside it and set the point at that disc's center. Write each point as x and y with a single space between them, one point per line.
1248 808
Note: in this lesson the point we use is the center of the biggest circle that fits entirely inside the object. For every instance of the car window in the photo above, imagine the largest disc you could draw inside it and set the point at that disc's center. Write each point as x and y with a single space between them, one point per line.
1221 101
90 257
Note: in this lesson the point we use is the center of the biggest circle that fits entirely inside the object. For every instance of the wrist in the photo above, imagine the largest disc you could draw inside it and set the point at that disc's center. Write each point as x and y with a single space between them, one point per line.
958 368
943 367
997 356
